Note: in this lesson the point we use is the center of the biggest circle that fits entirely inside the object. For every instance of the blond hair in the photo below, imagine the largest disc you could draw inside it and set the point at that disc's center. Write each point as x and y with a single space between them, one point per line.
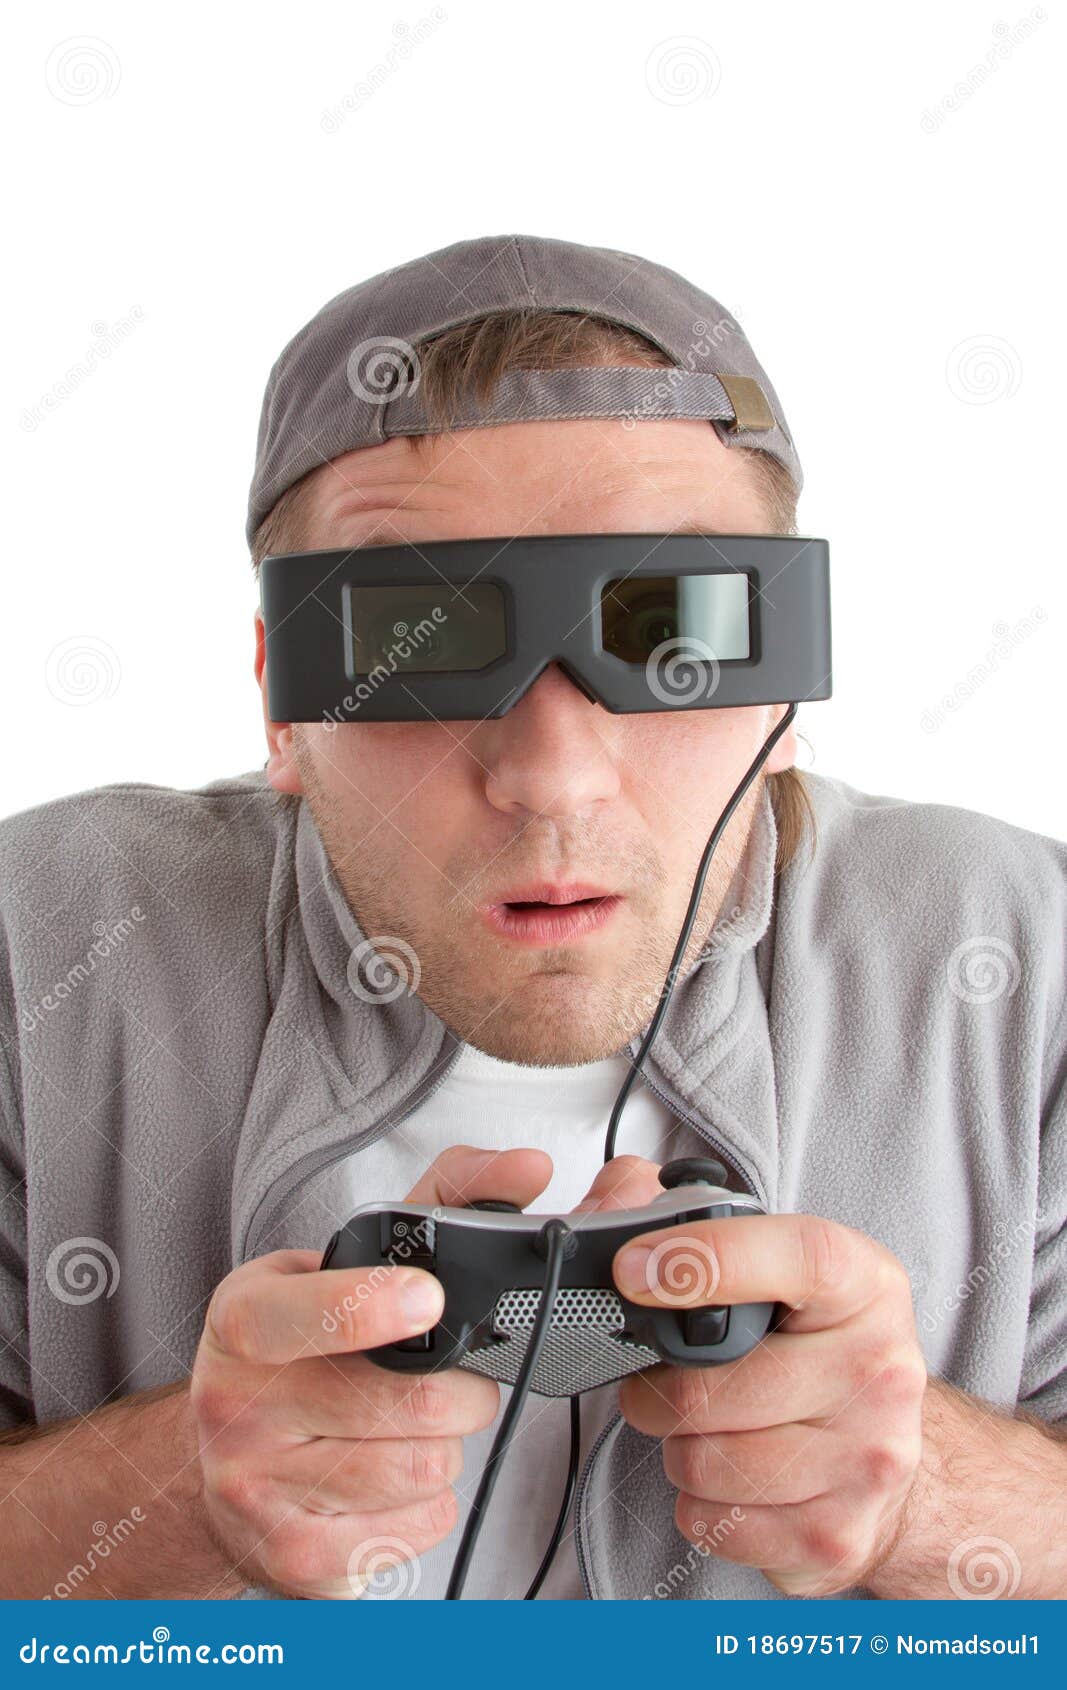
469 359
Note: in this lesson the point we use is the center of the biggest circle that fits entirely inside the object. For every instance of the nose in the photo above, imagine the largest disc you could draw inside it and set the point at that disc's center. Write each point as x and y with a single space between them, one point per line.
551 753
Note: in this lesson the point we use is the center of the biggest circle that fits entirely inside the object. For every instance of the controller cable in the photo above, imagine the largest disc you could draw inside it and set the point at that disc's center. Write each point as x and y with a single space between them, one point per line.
554 1235
553 1240
687 926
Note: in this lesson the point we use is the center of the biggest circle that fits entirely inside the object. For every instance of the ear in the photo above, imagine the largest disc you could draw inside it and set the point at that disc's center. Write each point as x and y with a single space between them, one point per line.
282 771
784 754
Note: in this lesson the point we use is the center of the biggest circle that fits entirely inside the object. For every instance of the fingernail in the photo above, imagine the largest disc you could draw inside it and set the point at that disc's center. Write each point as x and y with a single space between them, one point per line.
421 1297
631 1270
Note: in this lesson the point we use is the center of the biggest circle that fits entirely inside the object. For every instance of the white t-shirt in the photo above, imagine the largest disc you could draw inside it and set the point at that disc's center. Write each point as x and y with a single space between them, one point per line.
504 1105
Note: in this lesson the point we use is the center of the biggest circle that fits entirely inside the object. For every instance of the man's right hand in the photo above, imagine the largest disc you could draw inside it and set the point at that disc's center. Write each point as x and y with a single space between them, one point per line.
320 1467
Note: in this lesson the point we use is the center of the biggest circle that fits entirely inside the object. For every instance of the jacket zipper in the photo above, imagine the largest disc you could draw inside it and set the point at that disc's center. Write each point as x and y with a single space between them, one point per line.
749 1181
316 1161
579 1497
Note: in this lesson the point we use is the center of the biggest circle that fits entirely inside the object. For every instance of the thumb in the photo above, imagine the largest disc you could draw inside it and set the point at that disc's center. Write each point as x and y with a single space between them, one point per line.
463 1174
627 1182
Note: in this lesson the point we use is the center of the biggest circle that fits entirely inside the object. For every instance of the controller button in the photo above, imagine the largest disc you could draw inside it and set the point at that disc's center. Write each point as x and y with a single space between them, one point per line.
495 1206
421 1344
704 1327
330 1248
407 1240
692 1170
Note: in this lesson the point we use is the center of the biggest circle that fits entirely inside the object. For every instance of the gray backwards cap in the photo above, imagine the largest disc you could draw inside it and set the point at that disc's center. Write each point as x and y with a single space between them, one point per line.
350 377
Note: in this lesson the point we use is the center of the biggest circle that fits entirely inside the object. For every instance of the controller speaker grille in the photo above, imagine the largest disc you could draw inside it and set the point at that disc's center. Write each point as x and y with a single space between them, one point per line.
585 1346
574 1306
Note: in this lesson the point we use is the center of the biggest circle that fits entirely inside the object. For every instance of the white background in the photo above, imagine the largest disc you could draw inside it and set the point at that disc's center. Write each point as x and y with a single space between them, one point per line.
188 187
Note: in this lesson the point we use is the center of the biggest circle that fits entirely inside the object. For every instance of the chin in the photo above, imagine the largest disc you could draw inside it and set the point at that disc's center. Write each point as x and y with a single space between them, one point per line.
554 1021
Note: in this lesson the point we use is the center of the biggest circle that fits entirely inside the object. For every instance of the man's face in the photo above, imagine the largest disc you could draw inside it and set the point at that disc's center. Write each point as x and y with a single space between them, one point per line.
434 827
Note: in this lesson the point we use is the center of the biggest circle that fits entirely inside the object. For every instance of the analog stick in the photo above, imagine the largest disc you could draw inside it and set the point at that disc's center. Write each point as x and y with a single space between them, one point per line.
692 1170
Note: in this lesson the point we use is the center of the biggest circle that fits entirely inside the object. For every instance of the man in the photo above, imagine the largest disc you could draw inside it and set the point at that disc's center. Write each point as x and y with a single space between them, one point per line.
868 1025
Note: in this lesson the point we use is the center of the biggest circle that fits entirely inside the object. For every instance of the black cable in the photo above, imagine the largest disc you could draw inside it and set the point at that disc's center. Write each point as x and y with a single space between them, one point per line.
555 1234
565 1505
687 926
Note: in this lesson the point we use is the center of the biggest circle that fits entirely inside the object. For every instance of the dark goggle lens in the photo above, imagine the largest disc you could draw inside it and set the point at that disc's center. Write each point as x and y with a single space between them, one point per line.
416 629
648 616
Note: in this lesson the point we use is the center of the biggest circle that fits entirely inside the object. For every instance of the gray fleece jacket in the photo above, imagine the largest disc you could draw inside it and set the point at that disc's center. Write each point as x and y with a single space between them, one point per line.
878 1035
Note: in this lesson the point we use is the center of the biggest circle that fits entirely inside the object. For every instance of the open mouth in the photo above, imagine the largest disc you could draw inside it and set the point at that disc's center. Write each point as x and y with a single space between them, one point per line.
552 915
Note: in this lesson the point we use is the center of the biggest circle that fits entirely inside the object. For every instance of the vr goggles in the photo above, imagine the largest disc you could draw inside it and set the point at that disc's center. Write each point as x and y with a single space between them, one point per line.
458 630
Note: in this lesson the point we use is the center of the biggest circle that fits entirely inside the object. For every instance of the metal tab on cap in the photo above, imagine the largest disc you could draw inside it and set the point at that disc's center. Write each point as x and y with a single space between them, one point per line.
751 410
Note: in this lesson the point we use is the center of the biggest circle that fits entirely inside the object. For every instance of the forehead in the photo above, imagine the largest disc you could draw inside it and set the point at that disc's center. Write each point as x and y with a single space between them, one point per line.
541 477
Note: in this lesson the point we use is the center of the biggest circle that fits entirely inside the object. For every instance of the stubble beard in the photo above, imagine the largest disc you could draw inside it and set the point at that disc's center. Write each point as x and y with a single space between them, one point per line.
554 1013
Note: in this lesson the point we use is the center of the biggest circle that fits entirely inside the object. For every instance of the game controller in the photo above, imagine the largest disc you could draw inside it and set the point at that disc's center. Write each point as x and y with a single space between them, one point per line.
490 1259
